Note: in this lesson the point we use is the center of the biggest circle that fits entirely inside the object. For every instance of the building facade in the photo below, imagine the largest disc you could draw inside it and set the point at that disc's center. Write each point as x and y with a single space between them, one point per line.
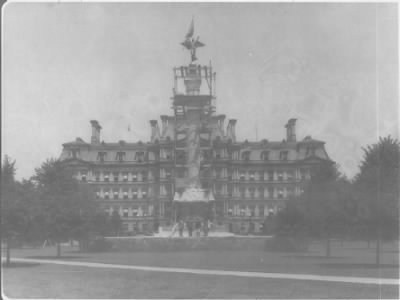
191 149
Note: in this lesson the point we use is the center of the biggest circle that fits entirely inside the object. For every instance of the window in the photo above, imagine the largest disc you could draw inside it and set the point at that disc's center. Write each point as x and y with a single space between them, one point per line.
310 151
97 176
270 192
283 155
290 191
115 176
106 177
180 155
106 195
125 194
120 156
139 156
280 176
134 193
252 192
134 211
252 175
242 210
218 154
134 177
115 193
144 193
230 210
271 175
144 176
265 155
101 156
125 176
242 176
83 177
74 153
280 193
125 213
98 194
242 191
246 155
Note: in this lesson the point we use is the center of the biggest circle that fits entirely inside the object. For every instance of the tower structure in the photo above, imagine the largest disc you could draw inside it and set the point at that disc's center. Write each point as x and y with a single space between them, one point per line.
193 103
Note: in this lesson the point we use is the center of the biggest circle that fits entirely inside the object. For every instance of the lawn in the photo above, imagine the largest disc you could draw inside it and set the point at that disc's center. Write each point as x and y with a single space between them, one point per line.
351 259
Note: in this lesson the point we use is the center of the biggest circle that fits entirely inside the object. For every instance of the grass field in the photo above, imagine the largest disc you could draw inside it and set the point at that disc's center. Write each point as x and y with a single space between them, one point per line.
351 259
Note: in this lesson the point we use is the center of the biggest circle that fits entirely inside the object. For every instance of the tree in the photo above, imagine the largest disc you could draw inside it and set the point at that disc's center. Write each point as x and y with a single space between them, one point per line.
323 203
13 217
377 185
66 205
116 223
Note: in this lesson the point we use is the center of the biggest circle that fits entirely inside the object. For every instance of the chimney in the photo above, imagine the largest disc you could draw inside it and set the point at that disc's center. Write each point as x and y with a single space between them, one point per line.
221 119
155 130
291 130
164 124
95 132
230 130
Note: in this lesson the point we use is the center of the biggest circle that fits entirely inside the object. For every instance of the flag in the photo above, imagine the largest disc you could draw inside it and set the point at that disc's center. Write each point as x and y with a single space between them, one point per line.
190 32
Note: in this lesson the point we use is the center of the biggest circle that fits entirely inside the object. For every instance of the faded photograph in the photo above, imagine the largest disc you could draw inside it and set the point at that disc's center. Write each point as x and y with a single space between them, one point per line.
200 150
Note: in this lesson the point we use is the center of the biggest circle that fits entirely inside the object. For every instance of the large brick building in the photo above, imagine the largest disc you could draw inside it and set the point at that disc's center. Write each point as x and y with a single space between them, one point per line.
192 153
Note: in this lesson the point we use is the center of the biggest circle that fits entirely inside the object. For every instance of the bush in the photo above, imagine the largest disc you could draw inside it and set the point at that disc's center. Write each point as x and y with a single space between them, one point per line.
100 245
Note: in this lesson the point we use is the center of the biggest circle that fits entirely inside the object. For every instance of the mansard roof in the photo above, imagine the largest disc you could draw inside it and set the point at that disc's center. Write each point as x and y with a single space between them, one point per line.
78 142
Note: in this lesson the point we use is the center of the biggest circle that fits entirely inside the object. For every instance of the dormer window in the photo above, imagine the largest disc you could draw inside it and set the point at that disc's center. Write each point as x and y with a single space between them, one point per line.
75 153
283 155
120 156
101 156
310 151
139 156
265 155
246 155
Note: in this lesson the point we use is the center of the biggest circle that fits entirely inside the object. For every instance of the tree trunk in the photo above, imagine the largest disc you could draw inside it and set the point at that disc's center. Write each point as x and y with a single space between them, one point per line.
58 249
328 247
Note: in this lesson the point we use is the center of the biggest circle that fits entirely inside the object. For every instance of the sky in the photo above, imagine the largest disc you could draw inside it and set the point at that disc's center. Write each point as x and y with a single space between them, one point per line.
334 67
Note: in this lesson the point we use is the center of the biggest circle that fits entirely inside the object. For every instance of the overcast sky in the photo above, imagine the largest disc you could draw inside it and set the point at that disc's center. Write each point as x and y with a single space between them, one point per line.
66 64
